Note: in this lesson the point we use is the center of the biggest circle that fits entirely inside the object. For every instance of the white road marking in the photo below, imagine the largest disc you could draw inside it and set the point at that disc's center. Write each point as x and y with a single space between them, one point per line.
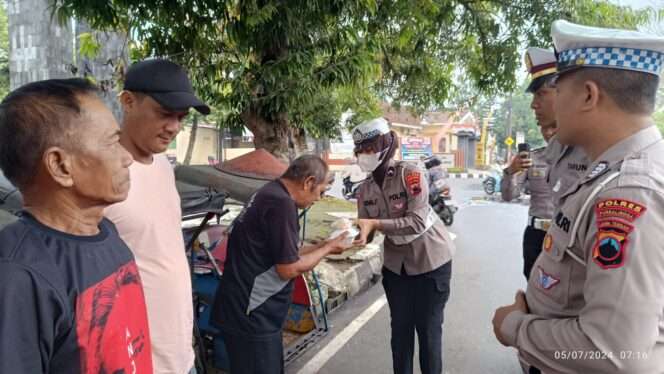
321 358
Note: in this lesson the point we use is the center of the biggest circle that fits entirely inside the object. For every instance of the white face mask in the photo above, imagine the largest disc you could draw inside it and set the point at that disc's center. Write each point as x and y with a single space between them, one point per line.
368 162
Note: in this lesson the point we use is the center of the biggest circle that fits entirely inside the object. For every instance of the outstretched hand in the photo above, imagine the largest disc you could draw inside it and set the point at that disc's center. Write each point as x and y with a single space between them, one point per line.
367 226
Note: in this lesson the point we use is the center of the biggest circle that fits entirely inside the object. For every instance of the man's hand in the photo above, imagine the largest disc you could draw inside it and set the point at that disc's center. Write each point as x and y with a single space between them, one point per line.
366 227
337 245
520 162
502 312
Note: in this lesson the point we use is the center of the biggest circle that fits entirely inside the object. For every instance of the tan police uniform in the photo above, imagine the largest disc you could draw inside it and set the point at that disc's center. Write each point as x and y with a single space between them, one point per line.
532 180
566 166
417 269
415 238
597 298
541 65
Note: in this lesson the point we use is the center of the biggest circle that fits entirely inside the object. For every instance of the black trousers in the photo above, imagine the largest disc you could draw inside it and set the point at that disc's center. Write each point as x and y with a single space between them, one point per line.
532 246
417 303
254 354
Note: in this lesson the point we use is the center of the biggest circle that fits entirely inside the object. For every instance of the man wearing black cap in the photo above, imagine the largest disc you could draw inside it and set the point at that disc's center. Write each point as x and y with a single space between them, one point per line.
156 98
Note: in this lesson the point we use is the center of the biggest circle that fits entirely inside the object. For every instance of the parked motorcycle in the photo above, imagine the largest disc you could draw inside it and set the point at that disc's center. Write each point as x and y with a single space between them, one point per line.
443 205
349 189
440 197
491 183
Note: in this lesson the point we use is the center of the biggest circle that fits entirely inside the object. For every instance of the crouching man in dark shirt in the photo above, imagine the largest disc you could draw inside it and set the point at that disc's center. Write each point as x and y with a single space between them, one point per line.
264 256
71 300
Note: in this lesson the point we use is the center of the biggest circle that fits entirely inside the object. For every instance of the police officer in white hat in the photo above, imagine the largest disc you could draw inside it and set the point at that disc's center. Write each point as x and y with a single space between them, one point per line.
595 302
528 170
545 172
417 248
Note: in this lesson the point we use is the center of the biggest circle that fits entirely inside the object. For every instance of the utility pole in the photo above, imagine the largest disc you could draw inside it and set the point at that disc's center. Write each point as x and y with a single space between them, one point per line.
509 127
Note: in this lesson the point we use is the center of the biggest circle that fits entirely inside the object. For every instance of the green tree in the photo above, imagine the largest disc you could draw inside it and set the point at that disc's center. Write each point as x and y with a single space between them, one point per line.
588 12
658 117
655 25
281 67
523 118
4 51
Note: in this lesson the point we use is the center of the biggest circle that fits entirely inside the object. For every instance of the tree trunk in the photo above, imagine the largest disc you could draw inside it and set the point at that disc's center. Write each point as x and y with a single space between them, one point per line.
299 141
192 140
271 136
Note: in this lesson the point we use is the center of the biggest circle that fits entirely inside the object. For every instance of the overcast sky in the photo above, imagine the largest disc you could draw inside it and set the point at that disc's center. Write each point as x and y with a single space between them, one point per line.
641 3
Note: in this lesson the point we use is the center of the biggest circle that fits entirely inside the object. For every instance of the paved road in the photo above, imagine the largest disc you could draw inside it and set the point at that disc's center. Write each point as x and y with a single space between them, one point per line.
487 272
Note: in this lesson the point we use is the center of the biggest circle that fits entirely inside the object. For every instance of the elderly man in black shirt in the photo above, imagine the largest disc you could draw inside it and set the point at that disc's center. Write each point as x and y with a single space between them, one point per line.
264 256
71 298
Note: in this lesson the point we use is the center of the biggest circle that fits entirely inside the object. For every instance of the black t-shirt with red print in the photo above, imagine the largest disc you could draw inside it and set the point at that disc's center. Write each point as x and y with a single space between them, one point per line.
70 304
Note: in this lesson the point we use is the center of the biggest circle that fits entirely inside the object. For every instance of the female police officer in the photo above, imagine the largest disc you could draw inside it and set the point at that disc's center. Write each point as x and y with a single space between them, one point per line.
418 248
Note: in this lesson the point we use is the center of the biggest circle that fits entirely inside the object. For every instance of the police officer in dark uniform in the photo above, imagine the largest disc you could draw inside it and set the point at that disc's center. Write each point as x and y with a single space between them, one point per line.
418 248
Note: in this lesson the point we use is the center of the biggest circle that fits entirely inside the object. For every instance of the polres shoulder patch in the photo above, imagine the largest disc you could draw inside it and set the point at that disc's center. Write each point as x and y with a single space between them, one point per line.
613 218
618 208
610 250
414 182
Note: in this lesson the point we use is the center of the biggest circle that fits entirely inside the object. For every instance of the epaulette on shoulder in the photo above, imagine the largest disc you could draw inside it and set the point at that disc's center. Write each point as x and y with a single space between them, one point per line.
540 149
637 171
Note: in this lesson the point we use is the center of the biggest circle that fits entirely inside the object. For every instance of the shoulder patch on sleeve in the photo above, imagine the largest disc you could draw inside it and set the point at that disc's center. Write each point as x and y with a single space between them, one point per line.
613 219
610 250
618 208
413 182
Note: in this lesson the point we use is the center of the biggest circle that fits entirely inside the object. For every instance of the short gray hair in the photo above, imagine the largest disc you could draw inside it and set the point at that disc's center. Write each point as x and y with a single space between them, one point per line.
307 166
37 116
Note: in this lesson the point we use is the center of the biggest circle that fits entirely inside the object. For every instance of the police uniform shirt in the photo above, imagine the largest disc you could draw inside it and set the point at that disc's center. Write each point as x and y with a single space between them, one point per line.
534 181
416 239
598 307
566 166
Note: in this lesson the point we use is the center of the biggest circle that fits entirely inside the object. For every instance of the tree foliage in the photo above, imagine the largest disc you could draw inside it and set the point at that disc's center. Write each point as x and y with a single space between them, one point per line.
283 66
4 50
523 118
587 12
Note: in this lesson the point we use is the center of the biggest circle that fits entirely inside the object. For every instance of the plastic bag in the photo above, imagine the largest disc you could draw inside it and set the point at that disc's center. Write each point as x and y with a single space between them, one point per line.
344 225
